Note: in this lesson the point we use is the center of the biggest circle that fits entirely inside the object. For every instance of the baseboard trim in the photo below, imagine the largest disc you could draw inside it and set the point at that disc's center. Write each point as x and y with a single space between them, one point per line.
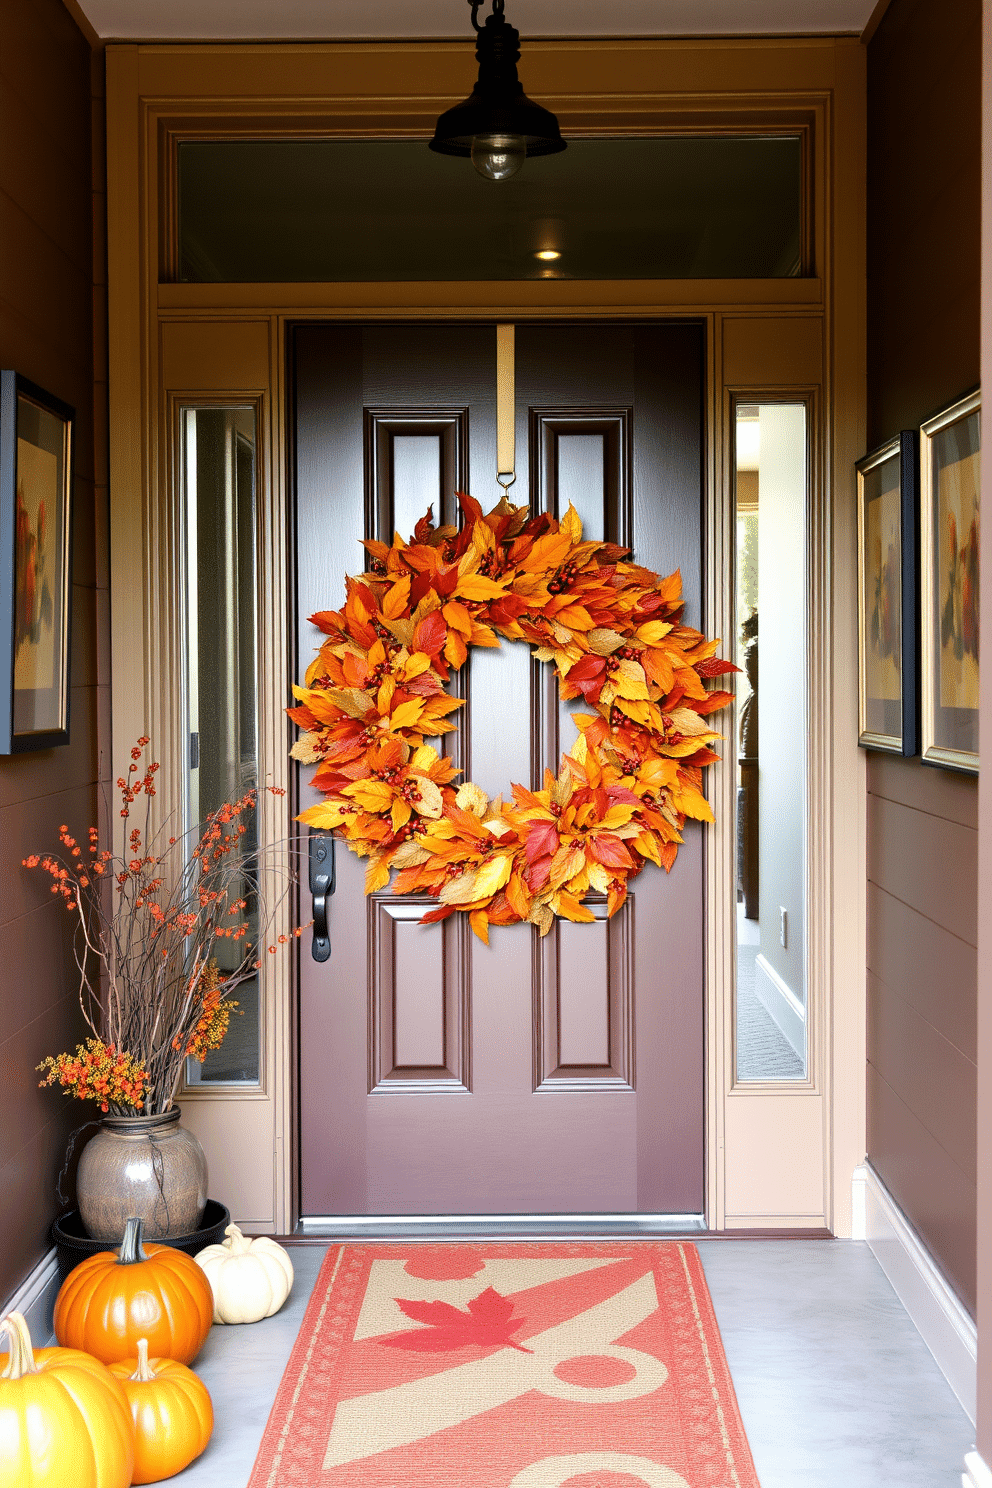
781 1004
940 1318
35 1297
976 1474
859 1203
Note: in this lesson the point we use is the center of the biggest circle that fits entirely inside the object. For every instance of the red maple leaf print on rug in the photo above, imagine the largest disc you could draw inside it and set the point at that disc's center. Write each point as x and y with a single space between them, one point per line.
488 1322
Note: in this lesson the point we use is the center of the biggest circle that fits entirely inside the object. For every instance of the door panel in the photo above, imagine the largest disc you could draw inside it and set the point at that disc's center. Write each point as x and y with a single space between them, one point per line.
439 1075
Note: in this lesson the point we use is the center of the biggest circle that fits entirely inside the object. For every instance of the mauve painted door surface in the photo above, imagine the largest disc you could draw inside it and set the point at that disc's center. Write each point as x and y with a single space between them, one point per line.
439 1076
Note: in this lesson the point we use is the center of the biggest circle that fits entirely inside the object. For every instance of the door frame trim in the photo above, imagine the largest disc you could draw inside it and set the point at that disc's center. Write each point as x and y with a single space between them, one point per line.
231 335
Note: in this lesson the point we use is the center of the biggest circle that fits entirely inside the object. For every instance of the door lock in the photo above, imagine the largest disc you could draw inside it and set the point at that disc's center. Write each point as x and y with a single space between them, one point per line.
322 877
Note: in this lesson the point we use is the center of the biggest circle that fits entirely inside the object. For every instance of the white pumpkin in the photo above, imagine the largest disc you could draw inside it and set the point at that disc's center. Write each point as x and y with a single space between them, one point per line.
250 1279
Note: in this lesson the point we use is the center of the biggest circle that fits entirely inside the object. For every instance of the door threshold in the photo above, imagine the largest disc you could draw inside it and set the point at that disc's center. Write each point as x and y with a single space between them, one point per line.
500 1226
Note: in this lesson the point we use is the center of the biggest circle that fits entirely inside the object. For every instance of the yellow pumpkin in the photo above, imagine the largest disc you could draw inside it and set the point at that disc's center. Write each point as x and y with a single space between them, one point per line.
63 1418
172 1413
116 1297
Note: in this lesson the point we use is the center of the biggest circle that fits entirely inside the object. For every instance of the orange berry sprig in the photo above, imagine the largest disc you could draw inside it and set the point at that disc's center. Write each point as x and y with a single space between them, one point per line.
148 922
97 1071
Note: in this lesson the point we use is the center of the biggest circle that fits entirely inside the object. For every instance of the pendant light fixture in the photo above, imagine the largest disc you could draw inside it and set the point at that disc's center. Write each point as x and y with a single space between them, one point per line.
498 126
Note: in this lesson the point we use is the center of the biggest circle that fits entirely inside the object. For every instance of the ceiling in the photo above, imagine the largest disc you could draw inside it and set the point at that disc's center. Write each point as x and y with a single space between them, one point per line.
328 20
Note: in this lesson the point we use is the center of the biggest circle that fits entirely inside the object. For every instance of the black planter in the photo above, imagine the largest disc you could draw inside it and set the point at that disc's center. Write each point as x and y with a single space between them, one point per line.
73 1245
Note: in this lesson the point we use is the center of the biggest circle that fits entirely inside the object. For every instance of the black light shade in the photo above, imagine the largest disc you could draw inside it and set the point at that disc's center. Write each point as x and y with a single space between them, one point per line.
497 107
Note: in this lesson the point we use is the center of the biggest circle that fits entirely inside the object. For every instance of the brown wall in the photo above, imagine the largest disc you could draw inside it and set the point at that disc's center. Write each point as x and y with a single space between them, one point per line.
924 161
984 1421
49 125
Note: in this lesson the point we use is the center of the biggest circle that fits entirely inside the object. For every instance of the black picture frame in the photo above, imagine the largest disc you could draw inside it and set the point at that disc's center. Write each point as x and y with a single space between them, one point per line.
37 439
888 621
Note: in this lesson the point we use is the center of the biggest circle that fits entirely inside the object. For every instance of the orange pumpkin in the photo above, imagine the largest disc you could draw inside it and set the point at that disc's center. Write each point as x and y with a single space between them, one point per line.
172 1414
63 1418
114 1298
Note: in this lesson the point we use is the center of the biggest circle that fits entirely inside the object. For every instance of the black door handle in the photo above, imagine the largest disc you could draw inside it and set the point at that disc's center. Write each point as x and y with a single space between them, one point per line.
321 887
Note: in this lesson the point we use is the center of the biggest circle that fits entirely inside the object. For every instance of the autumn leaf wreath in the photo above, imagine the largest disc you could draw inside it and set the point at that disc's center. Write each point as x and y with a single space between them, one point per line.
375 693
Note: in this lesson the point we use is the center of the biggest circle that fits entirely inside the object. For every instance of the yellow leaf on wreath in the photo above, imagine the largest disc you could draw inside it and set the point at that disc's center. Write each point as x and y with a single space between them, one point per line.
479 921
397 600
460 890
472 798
647 846
652 631
689 723
517 896
306 749
349 699
384 698
455 649
569 908
424 758
430 802
603 642
542 916
407 714
547 553
600 878
477 587
576 617
458 617
630 681
571 524
324 817
376 875
416 665
491 876
409 854
371 795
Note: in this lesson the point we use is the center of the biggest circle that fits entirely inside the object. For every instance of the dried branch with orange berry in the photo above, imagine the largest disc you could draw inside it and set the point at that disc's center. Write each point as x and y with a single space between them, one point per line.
149 926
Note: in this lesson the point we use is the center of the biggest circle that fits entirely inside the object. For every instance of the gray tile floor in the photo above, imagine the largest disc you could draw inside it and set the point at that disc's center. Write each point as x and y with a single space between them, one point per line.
836 1387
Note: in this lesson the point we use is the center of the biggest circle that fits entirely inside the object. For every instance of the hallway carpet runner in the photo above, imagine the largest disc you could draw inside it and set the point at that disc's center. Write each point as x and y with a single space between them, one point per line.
507 1366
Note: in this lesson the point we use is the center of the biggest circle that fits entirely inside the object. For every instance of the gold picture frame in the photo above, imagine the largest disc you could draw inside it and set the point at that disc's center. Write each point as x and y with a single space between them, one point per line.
888 596
950 495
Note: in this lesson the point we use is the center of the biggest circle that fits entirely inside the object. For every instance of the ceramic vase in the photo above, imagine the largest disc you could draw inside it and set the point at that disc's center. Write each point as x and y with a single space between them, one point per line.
147 1166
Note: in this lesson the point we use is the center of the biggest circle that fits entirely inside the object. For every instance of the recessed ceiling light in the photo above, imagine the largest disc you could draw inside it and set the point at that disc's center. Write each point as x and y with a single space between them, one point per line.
547 254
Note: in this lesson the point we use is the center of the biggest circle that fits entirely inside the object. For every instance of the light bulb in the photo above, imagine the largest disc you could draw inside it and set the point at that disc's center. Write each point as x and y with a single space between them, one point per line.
498 156
548 254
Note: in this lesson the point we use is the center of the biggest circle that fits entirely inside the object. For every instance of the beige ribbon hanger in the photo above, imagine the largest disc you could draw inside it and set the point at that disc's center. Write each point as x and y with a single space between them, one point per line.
505 406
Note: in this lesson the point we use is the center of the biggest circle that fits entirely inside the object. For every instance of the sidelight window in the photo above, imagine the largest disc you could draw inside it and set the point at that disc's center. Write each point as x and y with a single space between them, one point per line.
220 702
770 741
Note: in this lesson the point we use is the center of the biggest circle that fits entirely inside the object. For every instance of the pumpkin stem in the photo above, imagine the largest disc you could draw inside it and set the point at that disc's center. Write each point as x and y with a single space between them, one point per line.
20 1360
144 1371
131 1249
237 1242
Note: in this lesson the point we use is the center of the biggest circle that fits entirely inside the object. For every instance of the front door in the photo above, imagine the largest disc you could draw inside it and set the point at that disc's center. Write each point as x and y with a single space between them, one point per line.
439 1076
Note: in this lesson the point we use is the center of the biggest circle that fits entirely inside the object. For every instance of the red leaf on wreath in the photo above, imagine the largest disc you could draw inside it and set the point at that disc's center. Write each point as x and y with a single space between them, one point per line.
538 874
488 1323
470 507
419 585
425 526
542 840
430 634
434 915
610 851
715 666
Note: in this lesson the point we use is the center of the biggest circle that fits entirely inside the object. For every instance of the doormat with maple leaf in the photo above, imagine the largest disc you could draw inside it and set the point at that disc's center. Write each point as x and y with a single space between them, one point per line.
507 1366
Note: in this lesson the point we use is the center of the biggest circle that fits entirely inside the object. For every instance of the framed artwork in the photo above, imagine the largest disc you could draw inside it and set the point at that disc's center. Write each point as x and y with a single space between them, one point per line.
950 489
888 595
36 452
